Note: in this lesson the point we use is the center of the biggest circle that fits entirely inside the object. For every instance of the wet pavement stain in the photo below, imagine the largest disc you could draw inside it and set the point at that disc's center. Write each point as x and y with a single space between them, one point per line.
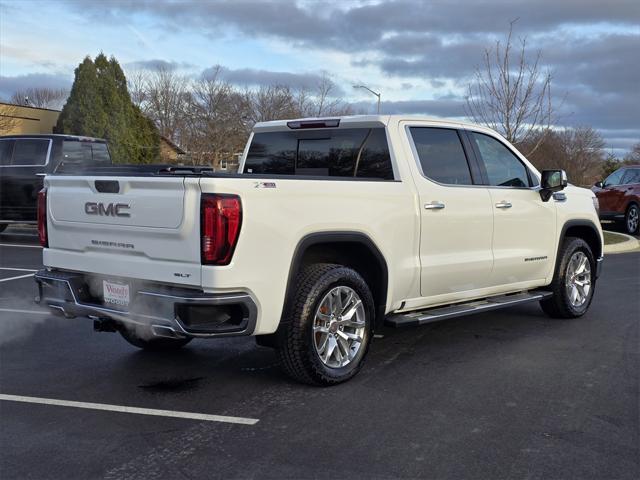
172 385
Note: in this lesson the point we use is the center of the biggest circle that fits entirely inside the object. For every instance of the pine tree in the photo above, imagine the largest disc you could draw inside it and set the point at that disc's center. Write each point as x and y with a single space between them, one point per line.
100 106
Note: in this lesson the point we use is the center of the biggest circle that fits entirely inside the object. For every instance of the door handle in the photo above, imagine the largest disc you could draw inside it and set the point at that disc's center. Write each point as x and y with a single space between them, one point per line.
435 205
503 204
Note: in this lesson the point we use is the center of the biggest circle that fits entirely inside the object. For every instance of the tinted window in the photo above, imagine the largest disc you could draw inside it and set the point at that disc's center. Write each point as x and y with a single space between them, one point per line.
349 152
614 178
77 154
503 168
100 154
6 149
631 176
30 152
441 155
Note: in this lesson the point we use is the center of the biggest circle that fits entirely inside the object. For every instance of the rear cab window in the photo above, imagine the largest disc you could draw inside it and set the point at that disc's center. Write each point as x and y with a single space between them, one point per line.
336 152
82 154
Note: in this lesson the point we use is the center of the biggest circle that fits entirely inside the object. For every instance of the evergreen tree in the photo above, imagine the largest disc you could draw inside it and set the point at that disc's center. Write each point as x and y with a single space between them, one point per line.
100 106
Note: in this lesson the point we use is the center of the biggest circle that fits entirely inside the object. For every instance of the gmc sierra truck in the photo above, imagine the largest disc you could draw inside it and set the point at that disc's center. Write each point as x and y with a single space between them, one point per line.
331 227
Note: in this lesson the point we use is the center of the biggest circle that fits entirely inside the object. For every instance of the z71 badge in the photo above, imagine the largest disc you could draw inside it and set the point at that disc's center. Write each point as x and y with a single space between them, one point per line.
265 185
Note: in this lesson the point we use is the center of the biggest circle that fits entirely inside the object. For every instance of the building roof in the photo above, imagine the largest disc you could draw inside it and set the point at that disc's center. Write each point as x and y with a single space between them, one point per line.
173 146
29 106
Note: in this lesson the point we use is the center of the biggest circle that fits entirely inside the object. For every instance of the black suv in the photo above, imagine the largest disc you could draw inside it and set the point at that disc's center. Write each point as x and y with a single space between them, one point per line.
25 159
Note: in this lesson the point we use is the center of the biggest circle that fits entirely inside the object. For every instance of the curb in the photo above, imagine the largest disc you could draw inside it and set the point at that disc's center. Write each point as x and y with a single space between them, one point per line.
629 245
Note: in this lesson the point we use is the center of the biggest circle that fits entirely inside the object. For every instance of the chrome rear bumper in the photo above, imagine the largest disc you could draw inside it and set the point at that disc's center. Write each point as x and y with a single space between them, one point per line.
168 311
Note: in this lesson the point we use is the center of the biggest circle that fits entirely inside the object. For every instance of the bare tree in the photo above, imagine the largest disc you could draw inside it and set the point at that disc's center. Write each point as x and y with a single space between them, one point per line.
216 127
41 97
633 157
137 86
164 96
579 151
511 94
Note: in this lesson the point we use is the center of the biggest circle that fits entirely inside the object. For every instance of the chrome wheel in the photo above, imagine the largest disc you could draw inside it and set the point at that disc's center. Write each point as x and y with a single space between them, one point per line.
632 219
578 279
339 327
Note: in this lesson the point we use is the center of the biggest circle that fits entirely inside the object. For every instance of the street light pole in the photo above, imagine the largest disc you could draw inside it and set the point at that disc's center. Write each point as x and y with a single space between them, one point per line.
375 93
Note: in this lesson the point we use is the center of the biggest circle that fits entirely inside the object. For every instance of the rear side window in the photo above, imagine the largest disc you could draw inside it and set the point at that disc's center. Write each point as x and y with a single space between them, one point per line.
30 152
441 155
349 152
6 151
76 154
503 168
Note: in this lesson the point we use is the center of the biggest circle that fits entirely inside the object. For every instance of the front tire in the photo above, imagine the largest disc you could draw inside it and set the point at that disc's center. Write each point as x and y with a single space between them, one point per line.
143 338
573 282
328 329
632 219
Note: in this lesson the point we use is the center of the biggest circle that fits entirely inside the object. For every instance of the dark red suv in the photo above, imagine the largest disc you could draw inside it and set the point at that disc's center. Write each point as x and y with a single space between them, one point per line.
619 197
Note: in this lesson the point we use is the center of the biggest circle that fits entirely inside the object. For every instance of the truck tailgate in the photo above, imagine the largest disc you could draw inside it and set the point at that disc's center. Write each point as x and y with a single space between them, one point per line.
133 227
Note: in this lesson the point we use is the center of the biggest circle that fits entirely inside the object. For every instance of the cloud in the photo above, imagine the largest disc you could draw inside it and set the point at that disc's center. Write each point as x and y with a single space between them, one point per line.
255 77
443 108
590 46
10 84
156 64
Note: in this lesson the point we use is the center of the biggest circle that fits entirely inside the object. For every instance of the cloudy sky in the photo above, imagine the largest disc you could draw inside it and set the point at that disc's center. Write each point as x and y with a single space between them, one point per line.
419 54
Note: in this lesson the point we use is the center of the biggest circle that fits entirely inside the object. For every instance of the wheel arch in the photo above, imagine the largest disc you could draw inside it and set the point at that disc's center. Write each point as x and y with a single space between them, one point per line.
587 231
352 249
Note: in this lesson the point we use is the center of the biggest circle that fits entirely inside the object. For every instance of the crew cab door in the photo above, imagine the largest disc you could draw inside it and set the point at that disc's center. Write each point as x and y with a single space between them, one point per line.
456 215
524 227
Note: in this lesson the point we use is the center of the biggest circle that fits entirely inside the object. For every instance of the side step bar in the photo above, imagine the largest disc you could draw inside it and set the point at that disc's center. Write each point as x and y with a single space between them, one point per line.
412 319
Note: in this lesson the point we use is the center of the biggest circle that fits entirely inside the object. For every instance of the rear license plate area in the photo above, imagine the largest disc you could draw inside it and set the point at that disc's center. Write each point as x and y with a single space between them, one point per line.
116 295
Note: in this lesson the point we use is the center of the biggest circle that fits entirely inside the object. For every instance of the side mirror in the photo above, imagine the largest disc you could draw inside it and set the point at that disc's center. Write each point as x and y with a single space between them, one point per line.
598 184
552 181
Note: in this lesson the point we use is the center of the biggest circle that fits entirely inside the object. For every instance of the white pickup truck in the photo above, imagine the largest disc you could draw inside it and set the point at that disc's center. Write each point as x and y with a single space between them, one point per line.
332 227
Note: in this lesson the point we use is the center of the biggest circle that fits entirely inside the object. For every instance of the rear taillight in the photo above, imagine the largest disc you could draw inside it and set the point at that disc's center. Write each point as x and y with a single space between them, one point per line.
42 217
220 220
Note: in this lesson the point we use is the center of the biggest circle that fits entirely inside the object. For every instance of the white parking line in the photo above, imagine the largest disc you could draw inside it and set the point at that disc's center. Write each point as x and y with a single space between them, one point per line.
12 269
16 278
15 310
16 245
125 409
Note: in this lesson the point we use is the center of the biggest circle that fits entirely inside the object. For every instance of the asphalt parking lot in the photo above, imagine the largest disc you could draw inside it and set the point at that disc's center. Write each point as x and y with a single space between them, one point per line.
508 394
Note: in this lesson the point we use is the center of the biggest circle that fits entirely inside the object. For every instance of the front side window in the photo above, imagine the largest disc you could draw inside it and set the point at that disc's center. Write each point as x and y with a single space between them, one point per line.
6 151
632 176
614 179
30 152
503 168
441 155
348 152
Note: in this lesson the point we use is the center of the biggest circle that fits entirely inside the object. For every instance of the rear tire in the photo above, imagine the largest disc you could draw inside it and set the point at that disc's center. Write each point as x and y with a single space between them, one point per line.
143 338
573 282
632 219
328 329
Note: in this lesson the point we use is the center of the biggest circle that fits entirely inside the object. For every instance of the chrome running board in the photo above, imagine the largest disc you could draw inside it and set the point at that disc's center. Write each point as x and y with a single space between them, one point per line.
412 319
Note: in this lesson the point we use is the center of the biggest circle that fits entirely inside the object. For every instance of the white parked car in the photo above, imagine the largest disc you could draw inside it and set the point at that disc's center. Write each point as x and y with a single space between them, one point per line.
332 227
